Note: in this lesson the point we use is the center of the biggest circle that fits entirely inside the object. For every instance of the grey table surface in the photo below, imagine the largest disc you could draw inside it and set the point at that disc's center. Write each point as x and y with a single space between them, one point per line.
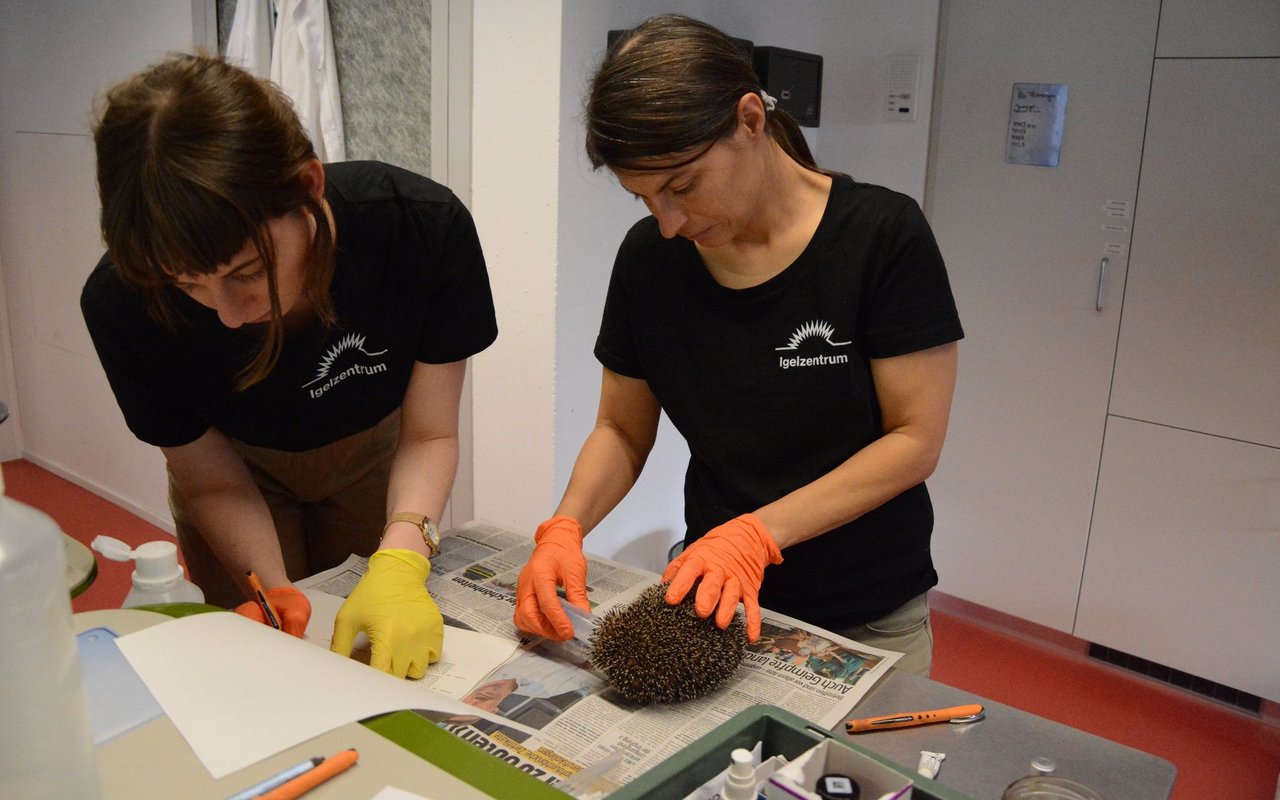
984 757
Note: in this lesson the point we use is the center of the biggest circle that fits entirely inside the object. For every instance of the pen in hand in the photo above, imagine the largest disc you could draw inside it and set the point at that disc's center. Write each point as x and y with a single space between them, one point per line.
908 718
313 777
260 595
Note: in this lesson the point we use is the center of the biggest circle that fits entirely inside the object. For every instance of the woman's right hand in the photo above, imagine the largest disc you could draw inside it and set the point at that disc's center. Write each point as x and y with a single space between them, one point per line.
557 560
290 605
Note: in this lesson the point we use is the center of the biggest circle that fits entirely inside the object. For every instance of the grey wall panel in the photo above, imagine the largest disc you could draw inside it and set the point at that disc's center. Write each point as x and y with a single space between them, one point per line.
384 74
384 70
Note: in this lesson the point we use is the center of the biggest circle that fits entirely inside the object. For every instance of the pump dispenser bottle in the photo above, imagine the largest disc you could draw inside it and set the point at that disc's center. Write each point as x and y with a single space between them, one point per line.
740 782
157 576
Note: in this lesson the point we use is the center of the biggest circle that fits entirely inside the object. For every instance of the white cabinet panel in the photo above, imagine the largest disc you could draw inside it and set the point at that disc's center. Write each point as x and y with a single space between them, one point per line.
1023 246
1184 555
1199 340
50 240
1219 28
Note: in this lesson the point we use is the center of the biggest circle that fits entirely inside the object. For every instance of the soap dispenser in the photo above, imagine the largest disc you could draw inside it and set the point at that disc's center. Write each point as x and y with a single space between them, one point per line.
157 576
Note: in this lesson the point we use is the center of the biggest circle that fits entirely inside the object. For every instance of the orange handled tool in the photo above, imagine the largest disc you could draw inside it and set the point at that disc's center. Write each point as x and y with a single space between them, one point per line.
969 713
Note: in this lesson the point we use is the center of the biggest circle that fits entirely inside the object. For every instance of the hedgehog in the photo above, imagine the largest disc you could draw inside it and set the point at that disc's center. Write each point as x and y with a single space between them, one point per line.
654 652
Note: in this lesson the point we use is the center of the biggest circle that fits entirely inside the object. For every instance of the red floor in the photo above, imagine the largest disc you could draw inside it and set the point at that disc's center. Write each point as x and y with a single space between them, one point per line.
1218 752
83 516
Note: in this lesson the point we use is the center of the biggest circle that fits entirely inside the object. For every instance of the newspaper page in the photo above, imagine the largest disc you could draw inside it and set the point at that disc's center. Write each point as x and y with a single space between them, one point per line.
581 728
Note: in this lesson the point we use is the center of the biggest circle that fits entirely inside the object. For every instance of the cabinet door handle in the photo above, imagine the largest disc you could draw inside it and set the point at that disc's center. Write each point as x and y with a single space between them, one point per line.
1102 281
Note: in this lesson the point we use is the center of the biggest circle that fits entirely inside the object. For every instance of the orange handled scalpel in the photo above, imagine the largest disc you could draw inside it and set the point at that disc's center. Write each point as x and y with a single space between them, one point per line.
909 718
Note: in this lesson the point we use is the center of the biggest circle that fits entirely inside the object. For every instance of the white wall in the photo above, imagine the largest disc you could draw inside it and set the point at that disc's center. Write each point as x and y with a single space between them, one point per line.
549 226
53 56
855 40
515 97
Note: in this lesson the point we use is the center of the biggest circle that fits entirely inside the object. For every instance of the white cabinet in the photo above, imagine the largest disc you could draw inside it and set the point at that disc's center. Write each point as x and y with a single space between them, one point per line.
1184 554
1024 246
1160 538
1219 29
1184 551
1200 338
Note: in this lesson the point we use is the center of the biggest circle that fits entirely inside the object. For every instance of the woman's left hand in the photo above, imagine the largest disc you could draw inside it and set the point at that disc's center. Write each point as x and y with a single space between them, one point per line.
730 561
391 604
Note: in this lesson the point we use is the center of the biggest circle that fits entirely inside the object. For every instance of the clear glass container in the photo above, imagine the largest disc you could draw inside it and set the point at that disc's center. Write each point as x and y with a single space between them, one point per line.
1048 787
46 742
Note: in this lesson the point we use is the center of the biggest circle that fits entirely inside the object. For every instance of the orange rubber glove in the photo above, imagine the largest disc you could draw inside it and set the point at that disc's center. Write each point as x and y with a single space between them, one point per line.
730 561
392 606
291 606
557 560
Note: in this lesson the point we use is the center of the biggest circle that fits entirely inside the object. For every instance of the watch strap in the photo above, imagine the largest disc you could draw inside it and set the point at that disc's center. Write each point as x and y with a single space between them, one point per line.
424 525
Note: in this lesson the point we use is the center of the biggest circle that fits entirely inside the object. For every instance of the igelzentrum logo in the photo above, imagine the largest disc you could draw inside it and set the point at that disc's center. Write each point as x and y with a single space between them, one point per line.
809 342
348 349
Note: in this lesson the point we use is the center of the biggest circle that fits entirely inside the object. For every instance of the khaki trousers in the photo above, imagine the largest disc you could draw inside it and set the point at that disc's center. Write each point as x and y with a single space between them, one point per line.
906 630
326 504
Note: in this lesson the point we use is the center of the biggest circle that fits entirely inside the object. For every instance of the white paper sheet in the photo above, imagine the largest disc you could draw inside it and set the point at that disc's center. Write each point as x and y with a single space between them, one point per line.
468 656
239 691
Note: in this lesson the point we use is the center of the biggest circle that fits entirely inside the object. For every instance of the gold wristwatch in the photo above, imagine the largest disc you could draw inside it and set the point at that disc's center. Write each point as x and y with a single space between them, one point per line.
430 531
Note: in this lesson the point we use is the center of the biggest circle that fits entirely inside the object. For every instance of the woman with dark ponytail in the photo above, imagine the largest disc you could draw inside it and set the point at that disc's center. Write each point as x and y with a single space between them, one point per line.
798 329
293 336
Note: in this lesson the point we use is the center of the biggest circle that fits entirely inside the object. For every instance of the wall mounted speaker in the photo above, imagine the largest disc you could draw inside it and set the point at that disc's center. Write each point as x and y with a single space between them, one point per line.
794 78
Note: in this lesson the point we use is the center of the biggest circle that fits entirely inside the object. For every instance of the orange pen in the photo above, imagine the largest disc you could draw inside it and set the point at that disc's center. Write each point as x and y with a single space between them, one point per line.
260 595
908 718
313 777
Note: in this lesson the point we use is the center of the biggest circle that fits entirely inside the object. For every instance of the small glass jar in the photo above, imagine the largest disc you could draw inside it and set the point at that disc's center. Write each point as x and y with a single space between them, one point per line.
1048 787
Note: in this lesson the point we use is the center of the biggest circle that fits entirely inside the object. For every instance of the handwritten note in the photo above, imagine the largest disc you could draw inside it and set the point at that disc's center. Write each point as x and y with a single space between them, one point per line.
1037 112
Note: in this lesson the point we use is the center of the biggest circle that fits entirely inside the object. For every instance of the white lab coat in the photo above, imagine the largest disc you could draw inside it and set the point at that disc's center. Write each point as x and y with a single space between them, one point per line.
249 42
302 64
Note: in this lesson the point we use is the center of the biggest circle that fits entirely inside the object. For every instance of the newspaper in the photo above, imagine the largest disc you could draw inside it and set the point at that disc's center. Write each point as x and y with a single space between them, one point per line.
567 725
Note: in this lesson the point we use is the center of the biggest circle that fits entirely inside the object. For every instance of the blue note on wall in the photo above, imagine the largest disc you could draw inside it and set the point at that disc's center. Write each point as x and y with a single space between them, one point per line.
1037 112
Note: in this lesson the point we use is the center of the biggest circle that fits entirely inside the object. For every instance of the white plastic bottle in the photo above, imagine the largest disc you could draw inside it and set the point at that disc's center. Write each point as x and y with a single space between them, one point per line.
157 576
47 751
740 782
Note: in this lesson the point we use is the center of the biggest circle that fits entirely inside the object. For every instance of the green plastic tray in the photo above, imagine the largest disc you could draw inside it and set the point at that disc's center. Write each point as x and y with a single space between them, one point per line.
490 775
779 732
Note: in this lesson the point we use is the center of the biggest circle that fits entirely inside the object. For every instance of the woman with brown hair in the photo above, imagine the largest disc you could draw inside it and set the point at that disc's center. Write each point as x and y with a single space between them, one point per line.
294 337
798 329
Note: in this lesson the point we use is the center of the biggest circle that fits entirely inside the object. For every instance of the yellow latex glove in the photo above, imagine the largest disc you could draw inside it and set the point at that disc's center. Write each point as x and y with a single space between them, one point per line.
391 605
557 560
291 606
730 561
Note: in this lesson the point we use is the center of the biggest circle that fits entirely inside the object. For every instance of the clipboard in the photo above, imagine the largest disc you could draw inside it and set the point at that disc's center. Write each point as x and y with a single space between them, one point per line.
118 700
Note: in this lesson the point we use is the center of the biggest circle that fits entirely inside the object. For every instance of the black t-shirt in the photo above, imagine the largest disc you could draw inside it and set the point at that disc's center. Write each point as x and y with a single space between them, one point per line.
409 285
771 385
